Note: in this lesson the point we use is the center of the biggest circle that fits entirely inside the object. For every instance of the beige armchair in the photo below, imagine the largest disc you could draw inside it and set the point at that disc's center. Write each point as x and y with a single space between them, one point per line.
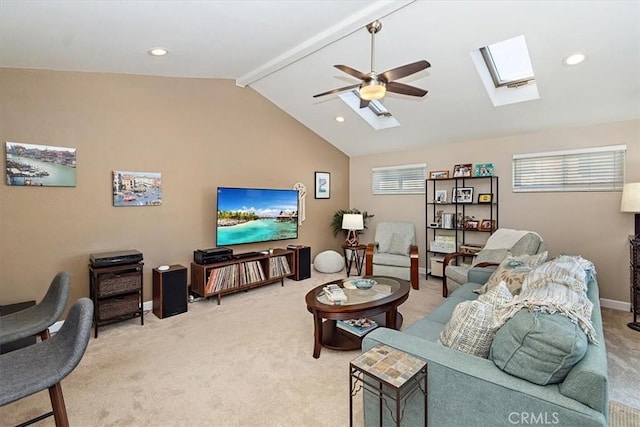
502 243
394 252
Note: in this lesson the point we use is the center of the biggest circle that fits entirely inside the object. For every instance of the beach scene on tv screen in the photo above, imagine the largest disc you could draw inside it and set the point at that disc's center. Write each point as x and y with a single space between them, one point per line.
248 215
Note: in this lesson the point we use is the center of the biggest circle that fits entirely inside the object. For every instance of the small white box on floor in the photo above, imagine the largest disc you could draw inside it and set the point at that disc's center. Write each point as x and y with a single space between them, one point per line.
436 266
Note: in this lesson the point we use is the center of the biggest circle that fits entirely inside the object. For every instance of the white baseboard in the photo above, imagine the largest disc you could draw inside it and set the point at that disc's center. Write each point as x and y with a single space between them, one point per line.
146 306
616 305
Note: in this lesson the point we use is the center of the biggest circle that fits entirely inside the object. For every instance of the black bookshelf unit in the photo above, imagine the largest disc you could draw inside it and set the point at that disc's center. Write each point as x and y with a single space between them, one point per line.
460 222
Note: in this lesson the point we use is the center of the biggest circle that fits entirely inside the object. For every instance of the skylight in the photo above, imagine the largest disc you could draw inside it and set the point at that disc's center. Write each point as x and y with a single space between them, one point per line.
508 62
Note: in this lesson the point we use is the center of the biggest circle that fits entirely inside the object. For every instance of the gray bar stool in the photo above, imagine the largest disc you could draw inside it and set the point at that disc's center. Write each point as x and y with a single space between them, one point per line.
43 365
37 319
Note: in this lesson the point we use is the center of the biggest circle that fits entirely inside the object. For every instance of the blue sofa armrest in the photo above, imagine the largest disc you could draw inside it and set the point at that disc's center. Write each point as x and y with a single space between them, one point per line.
458 381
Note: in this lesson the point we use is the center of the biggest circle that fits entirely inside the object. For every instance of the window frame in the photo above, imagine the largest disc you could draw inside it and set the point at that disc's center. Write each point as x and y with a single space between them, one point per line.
398 175
579 170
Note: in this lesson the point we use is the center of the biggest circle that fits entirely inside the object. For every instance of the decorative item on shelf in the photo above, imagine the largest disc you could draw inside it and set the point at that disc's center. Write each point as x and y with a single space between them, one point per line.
487 225
471 224
336 221
322 185
447 220
440 196
353 223
463 170
470 249
438 218
483 169
485 198
358 327
443 244
438 174
462 195
631 203
459 220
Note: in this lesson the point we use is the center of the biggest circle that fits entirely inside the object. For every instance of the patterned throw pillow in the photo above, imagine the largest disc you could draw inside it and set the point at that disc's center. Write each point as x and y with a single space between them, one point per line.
562 270
473 324
513 270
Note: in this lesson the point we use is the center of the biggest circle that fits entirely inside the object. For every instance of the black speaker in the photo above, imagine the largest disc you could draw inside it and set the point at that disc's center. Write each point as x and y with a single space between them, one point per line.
169 291
302 261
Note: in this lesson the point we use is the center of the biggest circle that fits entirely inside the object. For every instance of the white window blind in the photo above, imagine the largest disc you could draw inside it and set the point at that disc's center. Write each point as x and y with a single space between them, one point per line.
405 179
591 169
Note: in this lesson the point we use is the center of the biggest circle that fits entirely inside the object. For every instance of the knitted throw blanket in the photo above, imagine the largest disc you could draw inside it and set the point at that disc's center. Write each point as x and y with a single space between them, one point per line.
557 286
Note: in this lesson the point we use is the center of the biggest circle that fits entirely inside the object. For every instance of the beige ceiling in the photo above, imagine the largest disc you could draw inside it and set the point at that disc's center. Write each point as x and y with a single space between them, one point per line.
286 50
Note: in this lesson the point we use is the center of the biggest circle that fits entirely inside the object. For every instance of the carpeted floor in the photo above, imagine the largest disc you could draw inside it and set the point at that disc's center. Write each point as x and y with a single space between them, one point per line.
247 362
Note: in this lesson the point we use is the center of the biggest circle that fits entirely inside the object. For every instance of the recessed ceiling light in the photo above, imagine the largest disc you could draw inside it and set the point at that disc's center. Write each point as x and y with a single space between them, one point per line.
575 59
339 119
158 51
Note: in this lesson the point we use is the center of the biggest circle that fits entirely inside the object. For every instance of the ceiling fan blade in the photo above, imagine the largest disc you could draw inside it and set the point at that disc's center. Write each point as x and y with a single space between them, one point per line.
404 89
352 72
404 71
337 90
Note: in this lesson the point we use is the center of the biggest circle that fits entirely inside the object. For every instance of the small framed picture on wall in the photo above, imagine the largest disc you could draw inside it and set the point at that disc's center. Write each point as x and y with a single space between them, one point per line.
322 185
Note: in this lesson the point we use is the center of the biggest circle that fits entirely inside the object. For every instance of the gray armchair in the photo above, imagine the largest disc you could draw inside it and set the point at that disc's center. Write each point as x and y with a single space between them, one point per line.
394 252
502 243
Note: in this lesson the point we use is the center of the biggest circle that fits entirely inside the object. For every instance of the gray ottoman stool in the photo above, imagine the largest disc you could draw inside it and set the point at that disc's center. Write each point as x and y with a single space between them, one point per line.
328 262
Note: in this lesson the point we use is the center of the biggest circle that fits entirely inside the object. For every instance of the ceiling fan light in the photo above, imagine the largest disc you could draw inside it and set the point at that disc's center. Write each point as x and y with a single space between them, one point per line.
372 90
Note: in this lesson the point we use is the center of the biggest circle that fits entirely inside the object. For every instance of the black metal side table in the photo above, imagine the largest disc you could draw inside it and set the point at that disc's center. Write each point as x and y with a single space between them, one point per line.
356 255
391 374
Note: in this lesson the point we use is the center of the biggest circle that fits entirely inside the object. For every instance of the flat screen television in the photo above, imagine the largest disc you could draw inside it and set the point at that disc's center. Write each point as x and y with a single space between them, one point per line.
252 215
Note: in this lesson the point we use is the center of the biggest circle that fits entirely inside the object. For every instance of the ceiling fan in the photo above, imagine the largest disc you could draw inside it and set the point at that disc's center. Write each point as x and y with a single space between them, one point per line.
374 85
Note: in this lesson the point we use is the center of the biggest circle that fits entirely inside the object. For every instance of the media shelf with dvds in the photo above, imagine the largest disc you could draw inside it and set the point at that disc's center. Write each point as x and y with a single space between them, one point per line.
227 277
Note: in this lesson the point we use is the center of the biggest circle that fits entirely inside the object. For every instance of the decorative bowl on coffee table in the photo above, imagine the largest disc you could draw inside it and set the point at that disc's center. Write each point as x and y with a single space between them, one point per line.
363 283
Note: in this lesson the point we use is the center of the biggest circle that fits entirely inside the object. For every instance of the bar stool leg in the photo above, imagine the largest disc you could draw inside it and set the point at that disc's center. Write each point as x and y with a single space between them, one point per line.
59 409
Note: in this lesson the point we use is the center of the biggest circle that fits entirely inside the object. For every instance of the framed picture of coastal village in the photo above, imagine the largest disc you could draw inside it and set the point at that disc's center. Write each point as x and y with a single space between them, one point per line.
137 188
33 165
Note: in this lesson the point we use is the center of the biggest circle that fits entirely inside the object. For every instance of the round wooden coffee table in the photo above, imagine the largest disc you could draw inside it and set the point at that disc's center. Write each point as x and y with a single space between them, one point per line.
379 303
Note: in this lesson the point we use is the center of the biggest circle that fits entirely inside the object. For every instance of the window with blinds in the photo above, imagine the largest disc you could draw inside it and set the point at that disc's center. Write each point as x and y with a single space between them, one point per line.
406 179
590 169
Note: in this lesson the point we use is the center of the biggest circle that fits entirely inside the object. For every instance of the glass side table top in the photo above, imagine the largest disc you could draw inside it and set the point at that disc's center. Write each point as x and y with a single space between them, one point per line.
384 287
392 366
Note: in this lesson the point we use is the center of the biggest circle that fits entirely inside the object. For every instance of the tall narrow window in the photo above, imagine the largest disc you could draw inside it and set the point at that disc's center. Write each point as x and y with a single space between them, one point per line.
405 179
590 169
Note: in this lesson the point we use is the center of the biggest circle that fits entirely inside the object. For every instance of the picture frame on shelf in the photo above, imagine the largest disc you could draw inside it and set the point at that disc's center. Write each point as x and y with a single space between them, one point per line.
462 195
471 224
439 174
485 198
440 196
487 225
322 185
483 169
462 170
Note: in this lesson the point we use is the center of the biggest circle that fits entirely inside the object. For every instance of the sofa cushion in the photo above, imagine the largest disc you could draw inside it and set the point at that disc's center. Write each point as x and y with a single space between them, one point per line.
513 270
538 347
474 323
391 259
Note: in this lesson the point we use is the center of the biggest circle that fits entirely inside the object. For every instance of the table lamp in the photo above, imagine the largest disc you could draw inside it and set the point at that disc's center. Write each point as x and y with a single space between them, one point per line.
631 202
353 223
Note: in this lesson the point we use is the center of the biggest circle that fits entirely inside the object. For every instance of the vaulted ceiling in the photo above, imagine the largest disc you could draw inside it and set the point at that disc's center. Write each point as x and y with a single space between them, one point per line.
286 50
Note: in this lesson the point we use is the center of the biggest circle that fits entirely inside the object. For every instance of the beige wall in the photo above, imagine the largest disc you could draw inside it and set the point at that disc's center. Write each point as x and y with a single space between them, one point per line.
198 133
586 223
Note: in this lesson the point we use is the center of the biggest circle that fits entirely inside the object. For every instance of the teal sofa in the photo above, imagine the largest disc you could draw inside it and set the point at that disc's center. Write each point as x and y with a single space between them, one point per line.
466 390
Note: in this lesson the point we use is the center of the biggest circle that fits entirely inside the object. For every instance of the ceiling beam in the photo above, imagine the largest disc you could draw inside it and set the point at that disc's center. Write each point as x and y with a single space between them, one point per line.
349 25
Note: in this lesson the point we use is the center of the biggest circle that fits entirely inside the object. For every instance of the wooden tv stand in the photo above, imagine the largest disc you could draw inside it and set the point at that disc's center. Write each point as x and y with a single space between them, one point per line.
227 277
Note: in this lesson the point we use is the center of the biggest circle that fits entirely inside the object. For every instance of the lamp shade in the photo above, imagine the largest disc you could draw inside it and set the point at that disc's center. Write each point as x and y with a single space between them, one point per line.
352 222
372 89
630 198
